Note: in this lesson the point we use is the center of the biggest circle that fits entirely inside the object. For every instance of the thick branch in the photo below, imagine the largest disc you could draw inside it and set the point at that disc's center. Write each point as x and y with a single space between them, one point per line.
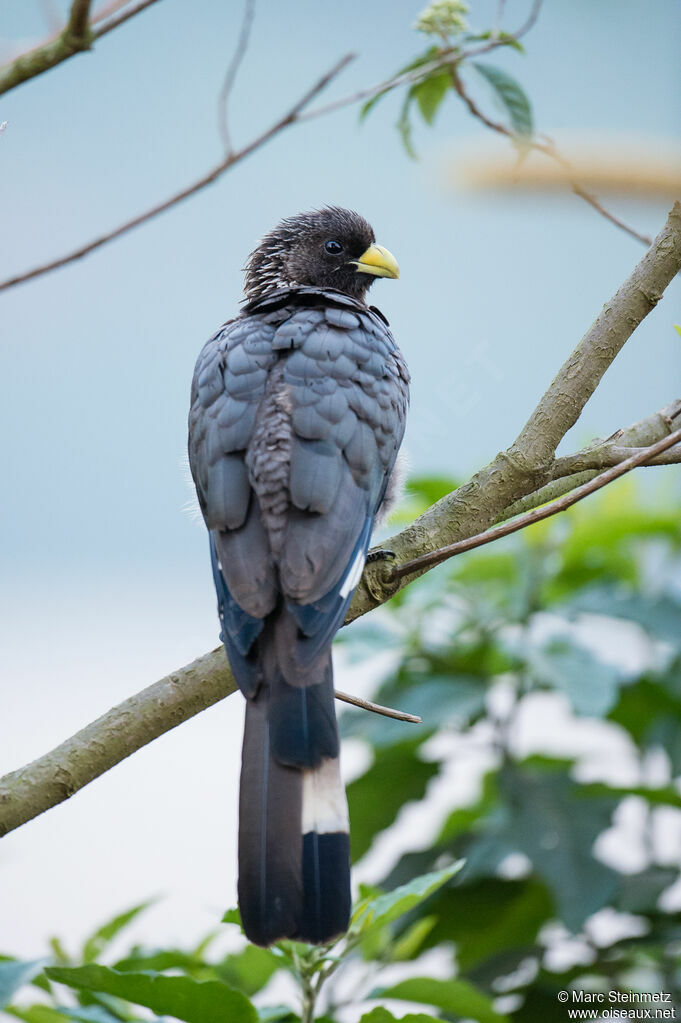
111 738
469 510
580 375
95 749
75 37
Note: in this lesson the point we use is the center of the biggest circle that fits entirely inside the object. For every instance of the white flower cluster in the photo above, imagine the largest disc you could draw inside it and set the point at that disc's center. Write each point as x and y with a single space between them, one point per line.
443 18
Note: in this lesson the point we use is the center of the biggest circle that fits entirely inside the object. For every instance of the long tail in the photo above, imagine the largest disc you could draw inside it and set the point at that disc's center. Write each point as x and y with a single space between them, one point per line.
294 850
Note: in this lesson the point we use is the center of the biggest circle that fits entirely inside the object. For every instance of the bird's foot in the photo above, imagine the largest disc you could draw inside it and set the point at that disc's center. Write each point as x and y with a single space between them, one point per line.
380 554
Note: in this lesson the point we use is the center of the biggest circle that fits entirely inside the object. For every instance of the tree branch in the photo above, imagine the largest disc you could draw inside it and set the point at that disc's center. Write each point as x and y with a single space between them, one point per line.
232 158
513 475
78 25
642 456
76 36
95 749
120 19
640 434
548 149
526 465
231 73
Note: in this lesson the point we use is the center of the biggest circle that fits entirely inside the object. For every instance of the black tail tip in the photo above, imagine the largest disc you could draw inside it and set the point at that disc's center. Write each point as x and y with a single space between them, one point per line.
326 887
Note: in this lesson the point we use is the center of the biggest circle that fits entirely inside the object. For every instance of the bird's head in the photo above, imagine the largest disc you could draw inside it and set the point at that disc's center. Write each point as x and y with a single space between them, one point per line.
328 248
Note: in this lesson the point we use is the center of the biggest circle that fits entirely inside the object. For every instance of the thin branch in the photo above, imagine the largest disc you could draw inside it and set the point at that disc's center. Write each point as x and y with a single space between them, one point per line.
641 457
289 118
79 21
377 708
512 475
231 73
548 149
531 19
107 10
608 455
121 18
448 57
644 432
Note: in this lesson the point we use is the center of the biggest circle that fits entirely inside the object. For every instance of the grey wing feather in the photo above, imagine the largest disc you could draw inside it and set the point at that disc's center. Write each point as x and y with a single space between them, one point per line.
229 382
344 446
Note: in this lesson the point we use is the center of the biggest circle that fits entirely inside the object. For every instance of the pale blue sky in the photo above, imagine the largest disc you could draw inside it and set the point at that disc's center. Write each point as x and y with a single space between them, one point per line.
105 581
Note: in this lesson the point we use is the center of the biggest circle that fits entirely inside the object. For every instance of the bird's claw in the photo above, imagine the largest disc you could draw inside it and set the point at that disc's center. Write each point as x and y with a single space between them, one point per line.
380 554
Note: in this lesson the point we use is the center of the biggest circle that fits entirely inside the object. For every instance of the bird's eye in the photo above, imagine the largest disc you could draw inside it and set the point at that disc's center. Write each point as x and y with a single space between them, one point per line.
333 247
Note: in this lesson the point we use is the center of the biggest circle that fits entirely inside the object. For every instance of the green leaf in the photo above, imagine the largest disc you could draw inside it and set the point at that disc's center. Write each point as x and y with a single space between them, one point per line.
512 97
438 701
466 818
407 945
207 1001
403 124
591 685
429 94
677 328
14 973
639 893
556 829
662 795
90 1014
41 1014
277 1014
250 970
396 776
659 616
454 997
103 936
157 960
489 917
383 909
232 916
425 58
381 1015
505 38
430 489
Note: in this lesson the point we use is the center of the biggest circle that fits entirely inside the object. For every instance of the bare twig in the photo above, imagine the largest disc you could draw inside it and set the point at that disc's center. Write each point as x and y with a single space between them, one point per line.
641 457
231 73
531 19
548 149
376 708
235 157
107 10
121 18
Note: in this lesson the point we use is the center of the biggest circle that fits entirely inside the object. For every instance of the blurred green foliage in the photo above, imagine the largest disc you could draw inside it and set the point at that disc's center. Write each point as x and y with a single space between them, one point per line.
547 671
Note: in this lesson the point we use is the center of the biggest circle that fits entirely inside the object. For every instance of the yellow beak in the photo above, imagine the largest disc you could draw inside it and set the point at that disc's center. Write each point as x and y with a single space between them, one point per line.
377 261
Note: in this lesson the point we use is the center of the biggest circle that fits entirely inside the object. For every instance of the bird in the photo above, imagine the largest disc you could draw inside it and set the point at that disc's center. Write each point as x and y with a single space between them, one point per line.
298 409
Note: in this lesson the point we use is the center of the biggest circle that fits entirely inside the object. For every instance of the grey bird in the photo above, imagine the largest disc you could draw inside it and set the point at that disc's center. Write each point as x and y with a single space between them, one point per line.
298 409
